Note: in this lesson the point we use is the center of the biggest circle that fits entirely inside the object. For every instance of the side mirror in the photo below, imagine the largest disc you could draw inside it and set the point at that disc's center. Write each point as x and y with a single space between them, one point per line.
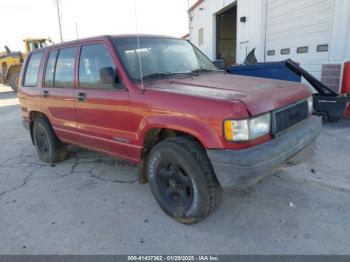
220 64
108 76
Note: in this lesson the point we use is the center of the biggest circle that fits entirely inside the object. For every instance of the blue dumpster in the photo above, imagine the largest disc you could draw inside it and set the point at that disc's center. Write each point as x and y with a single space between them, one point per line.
273 70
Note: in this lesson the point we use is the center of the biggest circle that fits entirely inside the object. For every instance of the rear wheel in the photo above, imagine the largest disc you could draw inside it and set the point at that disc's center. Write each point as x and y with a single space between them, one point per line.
182 180
13 81
49 148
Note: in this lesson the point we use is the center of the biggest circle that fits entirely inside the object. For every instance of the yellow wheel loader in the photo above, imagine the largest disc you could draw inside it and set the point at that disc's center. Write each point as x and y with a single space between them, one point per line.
11 62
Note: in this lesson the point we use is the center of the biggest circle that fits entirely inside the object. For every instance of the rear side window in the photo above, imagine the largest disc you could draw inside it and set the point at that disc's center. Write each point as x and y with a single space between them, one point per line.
95 66
32 72
64 73
60 68
50 69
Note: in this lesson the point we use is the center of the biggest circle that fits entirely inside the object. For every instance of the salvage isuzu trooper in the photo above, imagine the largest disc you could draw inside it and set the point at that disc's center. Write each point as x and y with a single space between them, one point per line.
160 102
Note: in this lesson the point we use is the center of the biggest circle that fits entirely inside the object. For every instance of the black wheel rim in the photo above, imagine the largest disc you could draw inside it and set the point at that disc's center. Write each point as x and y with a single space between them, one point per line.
175 185
42 142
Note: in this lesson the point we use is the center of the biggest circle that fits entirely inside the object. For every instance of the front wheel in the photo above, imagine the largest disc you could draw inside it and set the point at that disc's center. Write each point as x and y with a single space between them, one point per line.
182 180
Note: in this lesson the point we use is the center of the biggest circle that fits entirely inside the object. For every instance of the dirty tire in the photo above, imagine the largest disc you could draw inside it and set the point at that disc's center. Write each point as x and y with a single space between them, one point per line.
13 81
185 161
49 148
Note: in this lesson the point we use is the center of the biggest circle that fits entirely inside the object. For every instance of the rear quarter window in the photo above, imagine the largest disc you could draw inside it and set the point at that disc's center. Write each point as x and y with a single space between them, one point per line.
32 71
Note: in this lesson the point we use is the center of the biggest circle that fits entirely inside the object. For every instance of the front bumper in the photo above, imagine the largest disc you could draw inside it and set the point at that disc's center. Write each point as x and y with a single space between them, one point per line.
237 168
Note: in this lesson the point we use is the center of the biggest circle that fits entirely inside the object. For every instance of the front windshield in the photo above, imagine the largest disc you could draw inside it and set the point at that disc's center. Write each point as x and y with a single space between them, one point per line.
160 56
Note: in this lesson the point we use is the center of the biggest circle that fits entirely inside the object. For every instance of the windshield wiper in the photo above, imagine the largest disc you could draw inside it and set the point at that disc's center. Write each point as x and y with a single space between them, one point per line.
203 70
195 72
165 74
155 75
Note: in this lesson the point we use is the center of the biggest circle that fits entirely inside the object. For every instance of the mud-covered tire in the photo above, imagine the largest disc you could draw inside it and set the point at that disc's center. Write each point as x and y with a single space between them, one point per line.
13 80
191 159
49 148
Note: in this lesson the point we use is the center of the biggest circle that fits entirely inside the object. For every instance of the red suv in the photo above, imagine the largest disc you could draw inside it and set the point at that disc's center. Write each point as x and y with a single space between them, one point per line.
160 102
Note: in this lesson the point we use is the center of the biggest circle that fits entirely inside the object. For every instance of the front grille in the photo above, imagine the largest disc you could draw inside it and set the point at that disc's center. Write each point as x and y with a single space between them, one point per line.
290 116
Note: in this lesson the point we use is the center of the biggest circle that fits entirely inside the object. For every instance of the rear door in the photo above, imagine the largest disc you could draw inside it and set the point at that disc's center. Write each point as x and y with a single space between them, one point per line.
102 102
58 92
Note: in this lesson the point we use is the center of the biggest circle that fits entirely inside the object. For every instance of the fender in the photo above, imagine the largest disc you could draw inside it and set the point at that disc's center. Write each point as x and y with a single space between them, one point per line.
195 127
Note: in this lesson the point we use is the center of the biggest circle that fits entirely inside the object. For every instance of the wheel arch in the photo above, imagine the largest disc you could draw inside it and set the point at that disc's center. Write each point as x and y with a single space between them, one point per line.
32 116
196 128
159 129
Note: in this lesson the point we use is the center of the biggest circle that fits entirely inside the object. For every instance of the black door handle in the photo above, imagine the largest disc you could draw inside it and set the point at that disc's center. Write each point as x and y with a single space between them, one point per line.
45 93
81 97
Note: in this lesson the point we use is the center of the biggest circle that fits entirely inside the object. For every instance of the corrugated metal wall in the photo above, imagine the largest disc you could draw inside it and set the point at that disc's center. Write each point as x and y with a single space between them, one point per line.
278 24
251 34
340 37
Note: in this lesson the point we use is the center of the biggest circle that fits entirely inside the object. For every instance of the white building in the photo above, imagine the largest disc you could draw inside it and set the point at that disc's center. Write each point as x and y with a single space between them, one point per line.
311 32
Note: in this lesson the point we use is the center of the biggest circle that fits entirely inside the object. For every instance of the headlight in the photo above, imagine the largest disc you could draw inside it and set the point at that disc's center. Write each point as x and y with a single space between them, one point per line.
260 126
310 105
247 129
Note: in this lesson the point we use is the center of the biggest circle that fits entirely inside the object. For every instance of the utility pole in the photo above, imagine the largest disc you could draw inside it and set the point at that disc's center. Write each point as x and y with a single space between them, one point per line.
59 18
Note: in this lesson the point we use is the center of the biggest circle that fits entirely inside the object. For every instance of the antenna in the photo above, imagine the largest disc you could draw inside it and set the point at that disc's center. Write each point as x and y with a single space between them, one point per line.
138 47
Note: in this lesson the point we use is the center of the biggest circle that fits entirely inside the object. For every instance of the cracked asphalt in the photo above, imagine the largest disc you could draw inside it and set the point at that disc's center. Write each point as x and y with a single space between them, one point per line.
92 204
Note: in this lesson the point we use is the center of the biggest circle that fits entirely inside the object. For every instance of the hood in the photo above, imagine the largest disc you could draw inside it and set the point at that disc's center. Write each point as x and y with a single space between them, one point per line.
259 95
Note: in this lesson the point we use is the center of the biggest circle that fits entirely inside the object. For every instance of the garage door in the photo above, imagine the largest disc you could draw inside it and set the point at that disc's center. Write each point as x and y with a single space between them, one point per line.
299 29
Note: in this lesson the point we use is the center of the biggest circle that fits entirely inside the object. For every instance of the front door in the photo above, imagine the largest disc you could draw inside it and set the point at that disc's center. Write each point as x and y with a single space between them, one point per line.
102 102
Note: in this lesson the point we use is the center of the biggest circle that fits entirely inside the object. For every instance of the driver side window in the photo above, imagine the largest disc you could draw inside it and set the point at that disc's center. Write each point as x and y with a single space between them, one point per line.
97 69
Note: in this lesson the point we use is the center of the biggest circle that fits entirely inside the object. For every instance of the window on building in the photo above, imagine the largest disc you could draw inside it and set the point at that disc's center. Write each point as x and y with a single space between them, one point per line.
32 72
200 36
63 75
96 68
285 51
322 48
302 50
271 52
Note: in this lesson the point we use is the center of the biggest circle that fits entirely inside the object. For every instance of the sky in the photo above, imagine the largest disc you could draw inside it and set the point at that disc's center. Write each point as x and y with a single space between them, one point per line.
38 18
